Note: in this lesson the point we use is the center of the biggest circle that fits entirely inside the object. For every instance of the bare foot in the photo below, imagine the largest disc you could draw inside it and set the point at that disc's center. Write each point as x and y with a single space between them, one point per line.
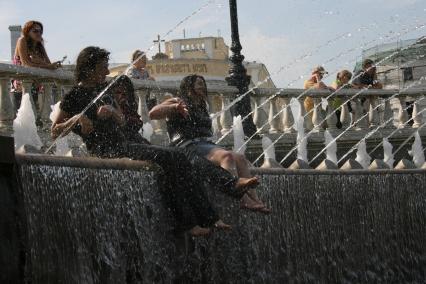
252 202
247 182
198 231
222 225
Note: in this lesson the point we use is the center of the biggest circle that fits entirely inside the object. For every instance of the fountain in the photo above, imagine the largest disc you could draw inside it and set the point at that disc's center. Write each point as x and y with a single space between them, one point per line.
62 147
24 127
362 156
417 151
239 145
387 153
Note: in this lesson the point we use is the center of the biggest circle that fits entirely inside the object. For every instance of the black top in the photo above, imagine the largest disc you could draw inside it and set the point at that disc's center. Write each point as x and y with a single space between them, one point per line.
106 140
197 125
362 77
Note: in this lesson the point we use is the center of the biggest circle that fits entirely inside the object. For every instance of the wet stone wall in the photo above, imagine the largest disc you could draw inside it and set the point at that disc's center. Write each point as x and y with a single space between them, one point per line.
109 226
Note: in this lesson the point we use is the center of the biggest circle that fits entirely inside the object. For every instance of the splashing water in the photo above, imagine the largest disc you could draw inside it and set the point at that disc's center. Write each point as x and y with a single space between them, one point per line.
417 151
268 148
387 153
215 127
302 144
62 147
147 131
362 156
239 146
24 127
331 147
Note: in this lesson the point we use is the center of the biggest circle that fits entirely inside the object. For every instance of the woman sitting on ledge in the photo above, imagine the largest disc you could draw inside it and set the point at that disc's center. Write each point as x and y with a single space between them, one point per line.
103 129
189 126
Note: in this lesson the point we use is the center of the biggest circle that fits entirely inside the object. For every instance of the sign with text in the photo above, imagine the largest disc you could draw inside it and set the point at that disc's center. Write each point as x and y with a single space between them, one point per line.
177 68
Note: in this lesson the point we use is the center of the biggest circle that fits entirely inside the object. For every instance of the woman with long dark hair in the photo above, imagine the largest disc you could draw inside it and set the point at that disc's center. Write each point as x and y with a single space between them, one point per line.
190 127
30 52
103 129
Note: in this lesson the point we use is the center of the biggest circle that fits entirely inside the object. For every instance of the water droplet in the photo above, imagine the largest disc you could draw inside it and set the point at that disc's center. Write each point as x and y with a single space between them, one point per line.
349 34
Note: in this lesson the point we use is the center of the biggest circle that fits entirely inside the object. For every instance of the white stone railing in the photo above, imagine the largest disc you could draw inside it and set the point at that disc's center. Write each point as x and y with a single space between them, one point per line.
273 118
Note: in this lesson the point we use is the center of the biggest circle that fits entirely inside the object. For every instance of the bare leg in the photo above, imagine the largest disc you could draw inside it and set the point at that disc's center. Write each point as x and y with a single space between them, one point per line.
250 200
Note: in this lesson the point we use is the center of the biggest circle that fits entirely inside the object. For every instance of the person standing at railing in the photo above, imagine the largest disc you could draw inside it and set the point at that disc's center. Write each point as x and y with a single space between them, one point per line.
190 126
314 82
342 82
139 71
30 52
101 128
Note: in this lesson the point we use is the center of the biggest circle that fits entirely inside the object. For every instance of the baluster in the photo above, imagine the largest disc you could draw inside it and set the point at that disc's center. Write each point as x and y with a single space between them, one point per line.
7 110
417 118
317 115
307 118
45 103
142 107
373 114
345 117
225 116
359 112
274 119
287 117
259 117
388 114
331 116
402 114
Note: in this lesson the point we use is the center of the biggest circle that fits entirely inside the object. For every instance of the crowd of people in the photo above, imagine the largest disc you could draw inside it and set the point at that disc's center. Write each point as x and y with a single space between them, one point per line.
363 78
110 128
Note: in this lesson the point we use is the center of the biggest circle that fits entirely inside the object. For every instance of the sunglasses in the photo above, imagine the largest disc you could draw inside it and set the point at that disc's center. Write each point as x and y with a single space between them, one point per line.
37 31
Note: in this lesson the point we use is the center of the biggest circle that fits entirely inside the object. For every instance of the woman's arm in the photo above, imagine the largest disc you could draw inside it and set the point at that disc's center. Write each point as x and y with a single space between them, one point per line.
24 56
64 122
168 108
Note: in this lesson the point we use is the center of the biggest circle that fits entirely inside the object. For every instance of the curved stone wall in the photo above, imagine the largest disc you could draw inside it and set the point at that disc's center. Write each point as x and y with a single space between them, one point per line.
91 221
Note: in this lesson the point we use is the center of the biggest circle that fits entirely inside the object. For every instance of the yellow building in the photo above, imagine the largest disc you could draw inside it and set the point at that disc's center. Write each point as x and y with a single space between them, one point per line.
206 56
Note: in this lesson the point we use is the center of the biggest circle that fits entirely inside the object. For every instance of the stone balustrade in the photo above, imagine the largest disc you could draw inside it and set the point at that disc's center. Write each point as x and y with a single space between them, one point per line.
271 110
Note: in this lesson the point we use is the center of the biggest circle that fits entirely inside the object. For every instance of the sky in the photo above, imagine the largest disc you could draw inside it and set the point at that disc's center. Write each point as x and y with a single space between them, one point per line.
288 36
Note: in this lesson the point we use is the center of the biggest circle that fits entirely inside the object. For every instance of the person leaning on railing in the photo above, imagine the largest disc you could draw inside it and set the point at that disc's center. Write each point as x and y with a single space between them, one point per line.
190 127
314 82
101 128
342 82
30 52
139 71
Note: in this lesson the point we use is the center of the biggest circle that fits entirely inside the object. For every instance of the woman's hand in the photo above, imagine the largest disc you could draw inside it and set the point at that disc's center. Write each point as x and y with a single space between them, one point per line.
182 108
105 111
55 65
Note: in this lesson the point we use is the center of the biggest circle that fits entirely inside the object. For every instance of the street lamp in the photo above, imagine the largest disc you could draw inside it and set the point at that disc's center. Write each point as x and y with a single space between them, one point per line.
238 74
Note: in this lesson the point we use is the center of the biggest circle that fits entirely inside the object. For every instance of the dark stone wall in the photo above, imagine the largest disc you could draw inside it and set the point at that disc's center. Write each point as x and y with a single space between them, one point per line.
106 224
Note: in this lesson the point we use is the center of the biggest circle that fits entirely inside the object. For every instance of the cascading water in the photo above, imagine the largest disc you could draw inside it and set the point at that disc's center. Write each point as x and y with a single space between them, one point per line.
302 143
237 127
147 131
24 126
62 147
362 156
417 151
109 226
331 145
388 156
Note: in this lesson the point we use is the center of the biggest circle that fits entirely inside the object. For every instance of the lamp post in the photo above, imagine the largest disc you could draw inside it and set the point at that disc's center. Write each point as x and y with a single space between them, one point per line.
238 74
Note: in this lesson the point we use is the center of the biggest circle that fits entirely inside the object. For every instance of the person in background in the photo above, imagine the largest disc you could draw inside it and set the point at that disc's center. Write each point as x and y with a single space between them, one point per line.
190 126
314 82
30 52
101 128
342 82
367 77
139 71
